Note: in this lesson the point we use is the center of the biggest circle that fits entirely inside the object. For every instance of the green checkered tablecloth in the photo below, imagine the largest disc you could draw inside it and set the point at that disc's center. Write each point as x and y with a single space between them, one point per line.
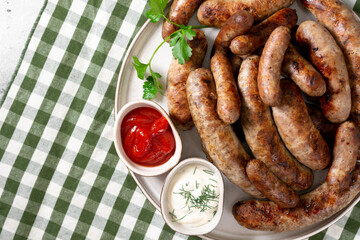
60 176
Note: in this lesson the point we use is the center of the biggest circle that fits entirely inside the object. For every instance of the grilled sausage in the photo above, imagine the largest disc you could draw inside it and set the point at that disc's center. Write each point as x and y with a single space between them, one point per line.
228 100
176 82
344 25
328 58
270 66
247 43
218 138
239 23
270 185
298 131
345 154
180 13
313 207
303 73
216 12
261 133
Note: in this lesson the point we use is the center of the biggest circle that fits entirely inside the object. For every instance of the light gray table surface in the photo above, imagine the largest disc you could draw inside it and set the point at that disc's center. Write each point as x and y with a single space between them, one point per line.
17 17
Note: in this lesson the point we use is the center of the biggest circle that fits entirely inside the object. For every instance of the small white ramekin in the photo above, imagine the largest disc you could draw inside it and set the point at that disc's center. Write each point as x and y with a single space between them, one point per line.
134 167
200 230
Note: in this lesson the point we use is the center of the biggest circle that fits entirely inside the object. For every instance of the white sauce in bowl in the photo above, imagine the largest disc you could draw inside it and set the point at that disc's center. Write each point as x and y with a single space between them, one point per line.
193 195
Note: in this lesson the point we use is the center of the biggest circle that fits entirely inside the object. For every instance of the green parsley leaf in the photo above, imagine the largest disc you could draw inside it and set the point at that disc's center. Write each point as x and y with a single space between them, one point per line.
181 51
156 11
155 76
174 38
188 32
140 67
149 89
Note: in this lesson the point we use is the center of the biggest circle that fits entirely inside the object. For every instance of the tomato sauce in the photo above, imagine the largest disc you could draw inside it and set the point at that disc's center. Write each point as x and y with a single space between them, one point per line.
147 137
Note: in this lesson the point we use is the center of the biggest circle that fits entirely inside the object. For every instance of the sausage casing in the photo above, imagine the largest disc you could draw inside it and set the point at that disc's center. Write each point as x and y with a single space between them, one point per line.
270 185
298 131
228 100
328 58
215 12
254 39
344 25
270 66
218 139
303 73
313 207
261 134
239 23
346 147
176 82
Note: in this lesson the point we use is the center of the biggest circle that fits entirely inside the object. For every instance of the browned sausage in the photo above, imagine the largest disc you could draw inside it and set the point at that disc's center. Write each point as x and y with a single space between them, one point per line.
270 66
180 13
345 154
247 43
328 58
298 131
303 73
344 25
239 23
216 12
314 206
270 185
326 128
218 139
228 100
261 133
176 82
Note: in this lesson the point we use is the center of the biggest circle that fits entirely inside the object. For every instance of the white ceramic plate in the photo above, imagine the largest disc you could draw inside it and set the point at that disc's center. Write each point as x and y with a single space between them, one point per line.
129 88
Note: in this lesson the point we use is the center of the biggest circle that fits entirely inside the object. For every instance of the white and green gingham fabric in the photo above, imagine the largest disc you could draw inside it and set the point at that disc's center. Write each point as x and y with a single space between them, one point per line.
60 176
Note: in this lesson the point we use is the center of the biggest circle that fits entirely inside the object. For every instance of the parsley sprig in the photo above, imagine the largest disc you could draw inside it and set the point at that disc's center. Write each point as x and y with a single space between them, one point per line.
177 40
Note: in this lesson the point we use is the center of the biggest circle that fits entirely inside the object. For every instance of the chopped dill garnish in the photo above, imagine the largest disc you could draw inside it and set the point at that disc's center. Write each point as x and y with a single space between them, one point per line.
208 172
201 202
197 184
213 180
175 218
214 212
194 170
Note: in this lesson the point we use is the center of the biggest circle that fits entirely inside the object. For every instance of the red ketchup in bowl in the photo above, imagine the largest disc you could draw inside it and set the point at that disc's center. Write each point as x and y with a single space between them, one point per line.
147 137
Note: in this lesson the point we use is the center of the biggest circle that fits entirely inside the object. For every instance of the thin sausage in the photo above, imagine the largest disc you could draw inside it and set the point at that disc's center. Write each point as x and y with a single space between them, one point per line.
328 58
215 12
345 154
303 73
218 139
298 131
247 43
261 133
239 23
176 82
313 207
228 100
270 66
270 185
180 13
344 25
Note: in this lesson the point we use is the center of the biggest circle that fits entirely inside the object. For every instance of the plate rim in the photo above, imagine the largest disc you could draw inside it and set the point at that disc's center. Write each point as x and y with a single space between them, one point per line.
349 207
